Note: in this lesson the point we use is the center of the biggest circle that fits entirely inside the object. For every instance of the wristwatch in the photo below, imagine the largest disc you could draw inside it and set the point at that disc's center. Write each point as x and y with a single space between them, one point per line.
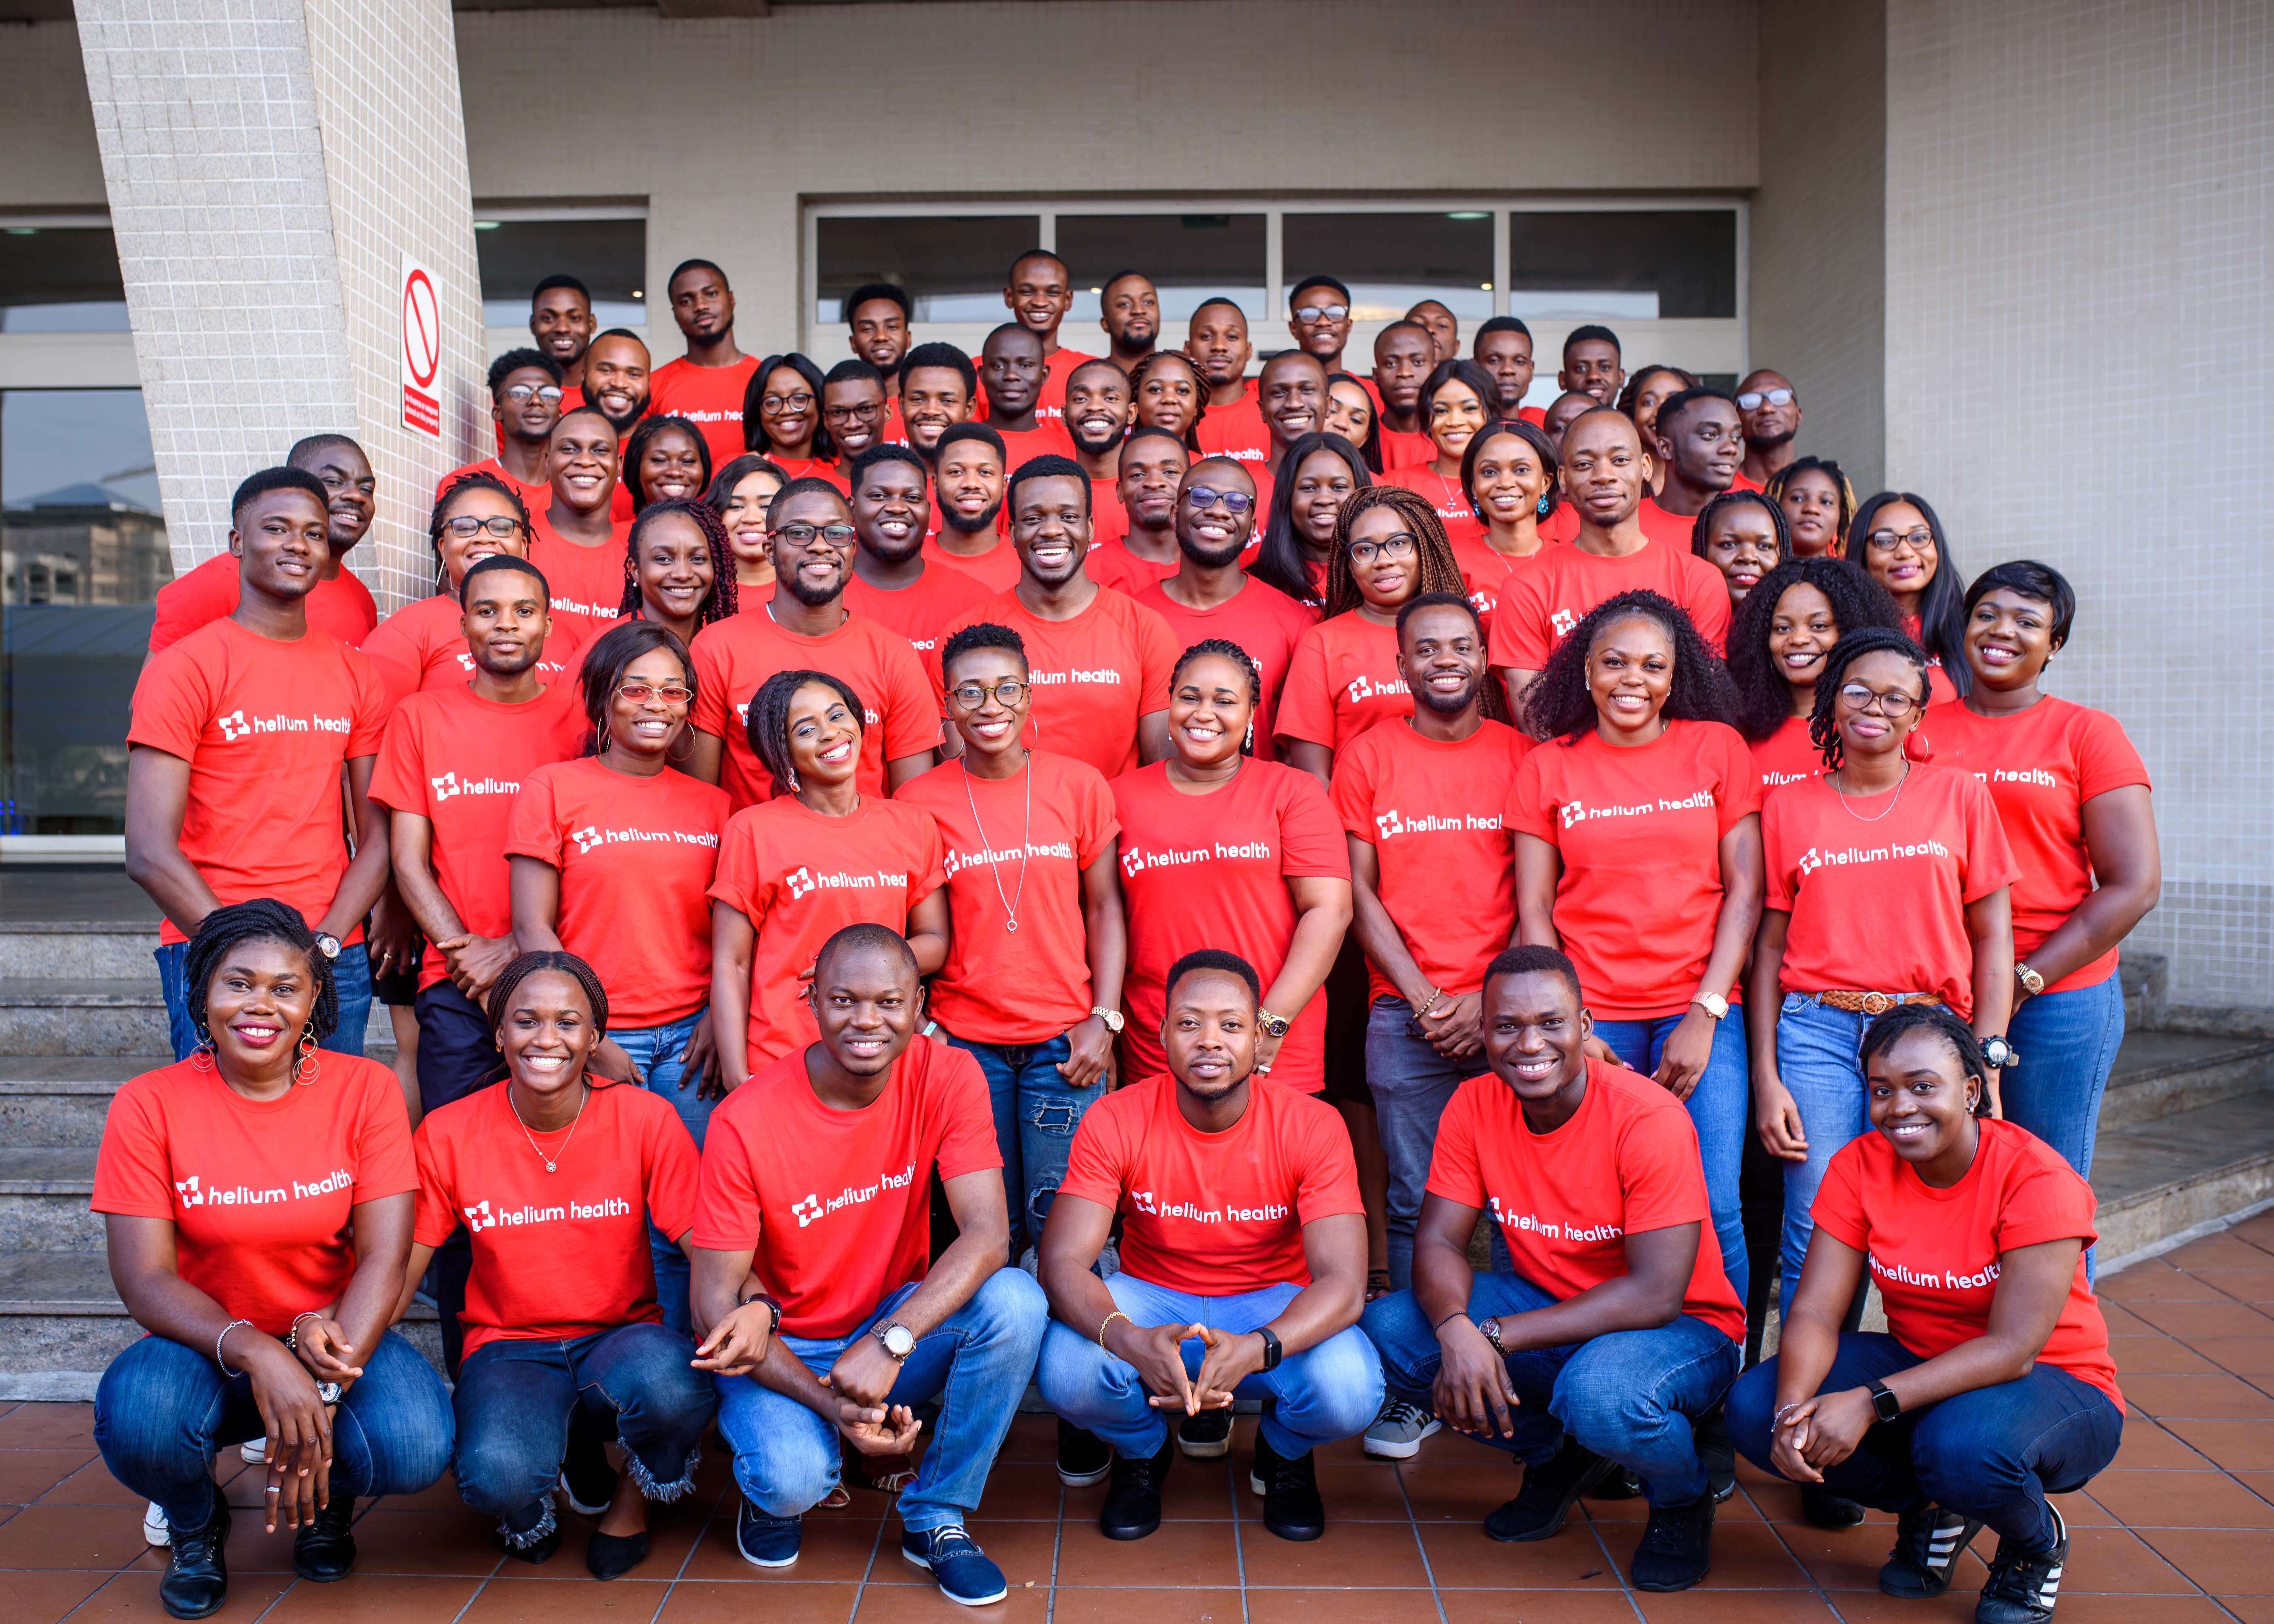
2000 1053
1491 1330
328 1393
2028 978
1712 1002
1273 1025
772 1303
899 1341
1111 1017
1272 1352
1885 1404
327 945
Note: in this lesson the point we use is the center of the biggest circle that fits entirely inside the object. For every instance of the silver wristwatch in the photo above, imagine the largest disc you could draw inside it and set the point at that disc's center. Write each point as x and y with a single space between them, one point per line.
899 1341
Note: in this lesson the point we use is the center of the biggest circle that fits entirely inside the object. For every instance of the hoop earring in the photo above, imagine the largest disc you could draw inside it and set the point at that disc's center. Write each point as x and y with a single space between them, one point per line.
202 1058
304 1068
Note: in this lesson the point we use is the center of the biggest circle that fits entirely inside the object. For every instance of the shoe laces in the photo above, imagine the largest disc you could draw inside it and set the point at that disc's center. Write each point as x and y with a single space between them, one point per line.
2027 1577
1928 1538
946 1544
1404 1413
197 1545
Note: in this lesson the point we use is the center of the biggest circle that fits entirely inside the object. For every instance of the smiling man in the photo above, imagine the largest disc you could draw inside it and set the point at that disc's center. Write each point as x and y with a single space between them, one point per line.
969 475
526 400
1039 292
1291 393
1319 316
1504 348
1698 437
937 386
1098 411
854 410
1216 342
877 314
576 541
706 385
560 322
893 584
1014 370
1592 364
1129 310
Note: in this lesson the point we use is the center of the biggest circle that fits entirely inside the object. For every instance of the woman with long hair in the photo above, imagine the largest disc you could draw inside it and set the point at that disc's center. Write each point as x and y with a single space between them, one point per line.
1819 506
679 569
1778 642
1320 473
739 495
1353 414
781 417
1898 538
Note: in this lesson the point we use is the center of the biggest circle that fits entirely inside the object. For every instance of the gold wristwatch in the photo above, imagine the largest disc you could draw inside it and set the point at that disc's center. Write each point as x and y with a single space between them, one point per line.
1712 1002
2029 979
1111 1017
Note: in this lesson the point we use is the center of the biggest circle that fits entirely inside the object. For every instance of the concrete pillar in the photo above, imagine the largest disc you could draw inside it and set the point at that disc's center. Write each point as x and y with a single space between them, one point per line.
269 165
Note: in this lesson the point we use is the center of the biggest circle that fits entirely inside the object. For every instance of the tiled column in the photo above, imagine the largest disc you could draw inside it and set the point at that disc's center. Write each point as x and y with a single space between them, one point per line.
269 163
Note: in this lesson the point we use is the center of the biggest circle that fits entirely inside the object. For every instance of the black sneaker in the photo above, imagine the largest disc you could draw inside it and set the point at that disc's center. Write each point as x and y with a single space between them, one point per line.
1290 1487
1820 1507
197 1578
1205 1435
1717 1452
1550 1492
2023 1588
1927 1543
586 1478
1676 1546
325 1549
1617 1484
1084 1458
1132 1498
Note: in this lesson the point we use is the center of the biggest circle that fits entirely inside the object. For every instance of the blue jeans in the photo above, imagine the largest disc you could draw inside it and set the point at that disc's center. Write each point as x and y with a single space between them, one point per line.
1631 1395
1817 1048
1992 1454
514 1401
1328 1391
656 1051
1720 1108
786 1457
350 978
1036 1111
1410 1082
161 1410
2068 1043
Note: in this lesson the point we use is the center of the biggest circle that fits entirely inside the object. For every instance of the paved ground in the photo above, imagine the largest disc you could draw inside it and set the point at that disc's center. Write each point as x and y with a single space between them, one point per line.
2180 1530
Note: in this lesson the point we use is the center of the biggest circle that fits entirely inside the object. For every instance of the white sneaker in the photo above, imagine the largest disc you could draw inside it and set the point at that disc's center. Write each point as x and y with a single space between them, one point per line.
1397 1432
253 1452
154 1529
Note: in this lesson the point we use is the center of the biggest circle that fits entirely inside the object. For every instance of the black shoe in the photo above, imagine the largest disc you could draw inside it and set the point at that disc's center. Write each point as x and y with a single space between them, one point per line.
1717 1452
1290 1487
535 1554
612 1556
197 1578
1676 1546
325 1549
1550 1492
1133 1498
586 1478
1820 1507
2021 1589
1205 1435
1084 1458
1927 1543
1617 1484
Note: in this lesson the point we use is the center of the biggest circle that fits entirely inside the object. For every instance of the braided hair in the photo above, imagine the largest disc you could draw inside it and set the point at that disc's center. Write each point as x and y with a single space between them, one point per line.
1905 1018
1764 698
1775 486
768 726
1224 647
636 447
718 603
1562 706
259 919
449 500
521 966
1439 572
1824 718
1701 533
1145 368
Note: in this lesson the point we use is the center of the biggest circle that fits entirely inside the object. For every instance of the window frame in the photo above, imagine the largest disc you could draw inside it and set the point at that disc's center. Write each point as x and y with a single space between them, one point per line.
497 340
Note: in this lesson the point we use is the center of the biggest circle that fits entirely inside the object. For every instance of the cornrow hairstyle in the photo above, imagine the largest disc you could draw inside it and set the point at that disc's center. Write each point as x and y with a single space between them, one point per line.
1460 370
1905 1018
1439 571
1560 705
1941 612
1632 393
1764 698
768 725
449 500
1823 718
1777 483
2033 580
1492 702
735 470
521 966
718 603
523 359
1531 434
259 919
1279 559
644 435
1159 358
497 563
1370 449
982 635
1701 533
1214 958
1224 647
604 664
823 449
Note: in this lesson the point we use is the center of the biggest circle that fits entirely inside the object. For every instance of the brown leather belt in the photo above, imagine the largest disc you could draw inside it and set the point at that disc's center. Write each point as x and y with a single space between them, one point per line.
1874 1003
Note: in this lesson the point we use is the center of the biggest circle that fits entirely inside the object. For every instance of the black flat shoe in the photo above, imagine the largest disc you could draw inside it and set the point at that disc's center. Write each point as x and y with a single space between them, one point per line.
197 1578
534 1555
612 1556
1132 1496
1550 1492
324 1550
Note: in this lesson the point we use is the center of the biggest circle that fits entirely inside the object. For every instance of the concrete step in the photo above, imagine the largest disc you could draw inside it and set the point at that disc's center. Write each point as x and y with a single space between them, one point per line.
43 1199
2158 1177
96 949
61 1098
90 1016
2159 1073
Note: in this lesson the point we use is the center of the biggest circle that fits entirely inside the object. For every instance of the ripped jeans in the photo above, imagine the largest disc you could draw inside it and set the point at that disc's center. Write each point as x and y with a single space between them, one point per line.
1035 1114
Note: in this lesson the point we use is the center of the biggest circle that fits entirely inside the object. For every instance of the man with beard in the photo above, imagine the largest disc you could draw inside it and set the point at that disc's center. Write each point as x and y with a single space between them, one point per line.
1592 364
807 627
1130 312
854 408
1444 328
1320 319
616 385
1098 408
1014 370
1218 344
706 385
938 384
576 541
893 584
878 314
526 400
968 475
1770 406
1153 461
1291 393
1210 595
1504 348
1402 363
1699 434
1038 294
561 321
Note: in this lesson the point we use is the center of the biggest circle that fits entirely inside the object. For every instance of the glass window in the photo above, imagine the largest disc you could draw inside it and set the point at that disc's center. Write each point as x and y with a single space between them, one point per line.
608 256
1595 265
953 266
1392 262
1191 258
60 279
84 550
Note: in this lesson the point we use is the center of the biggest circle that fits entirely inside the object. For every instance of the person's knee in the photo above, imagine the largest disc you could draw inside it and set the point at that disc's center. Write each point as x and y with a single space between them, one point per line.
1010 1307
1404 1347
141 1407
500 1467
1750 1409
1605 1401
792 1472
1965 1459
1076 1376
1343 1377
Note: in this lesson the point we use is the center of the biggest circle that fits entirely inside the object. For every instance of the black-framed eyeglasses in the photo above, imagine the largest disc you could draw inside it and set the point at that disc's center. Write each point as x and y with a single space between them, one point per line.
1204 496
521 394
786 403
1398 546
1753 400
1312 315
465 527
803 535
868 412
1920 540
1894 703
971 695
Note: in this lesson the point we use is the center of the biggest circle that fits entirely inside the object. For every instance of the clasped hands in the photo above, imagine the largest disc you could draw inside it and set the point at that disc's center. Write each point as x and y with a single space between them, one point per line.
1158 1353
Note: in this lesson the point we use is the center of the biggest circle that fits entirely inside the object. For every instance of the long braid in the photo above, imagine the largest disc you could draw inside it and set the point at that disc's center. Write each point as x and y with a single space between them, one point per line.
720 602
258 918
1439 572
1824 718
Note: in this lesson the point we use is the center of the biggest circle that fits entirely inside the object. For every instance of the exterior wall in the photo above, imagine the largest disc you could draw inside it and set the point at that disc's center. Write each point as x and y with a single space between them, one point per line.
2080 327
46 124
1818 305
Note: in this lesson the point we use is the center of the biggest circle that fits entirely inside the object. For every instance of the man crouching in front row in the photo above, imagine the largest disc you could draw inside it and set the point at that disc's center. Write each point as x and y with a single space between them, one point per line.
1243 1266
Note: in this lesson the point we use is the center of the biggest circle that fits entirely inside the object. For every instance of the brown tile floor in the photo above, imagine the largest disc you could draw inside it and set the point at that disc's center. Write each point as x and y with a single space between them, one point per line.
2181 1529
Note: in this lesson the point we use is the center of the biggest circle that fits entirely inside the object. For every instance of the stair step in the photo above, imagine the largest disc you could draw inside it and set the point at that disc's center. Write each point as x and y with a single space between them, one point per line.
81 1016
2159 1073
2158 1177
62 1099
101 948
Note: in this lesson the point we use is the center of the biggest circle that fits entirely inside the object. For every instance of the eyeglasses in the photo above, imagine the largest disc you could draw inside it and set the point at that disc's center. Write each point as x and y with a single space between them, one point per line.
1204 496
465 527
971 695
1753 400
803 535
640 693
786 403
1887 541
1312 315
1894 704
521 394
868 413
1398 546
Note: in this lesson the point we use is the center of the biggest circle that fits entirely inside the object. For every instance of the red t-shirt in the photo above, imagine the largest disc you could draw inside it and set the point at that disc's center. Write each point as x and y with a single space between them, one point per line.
1095 676
584 580
1341 680
1445 496
1264 621
733 658
259 1192
1787 755
1019 842
2042 765
1934 1253
1908 860
799 878
536 495
1236 430
562 1254
1549 599
1668 529
1431 812
1109 519
838 1204
265 727
996 569
1940 690
710 397
1211 871
1639 832
423 646
458 762
1215 1214
1626 1163
1489 573
341 607
1046 437
917 613
1113 565
636 857
1400 450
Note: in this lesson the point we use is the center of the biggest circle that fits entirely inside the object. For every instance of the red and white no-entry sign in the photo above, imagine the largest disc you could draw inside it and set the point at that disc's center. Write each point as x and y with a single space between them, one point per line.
422 350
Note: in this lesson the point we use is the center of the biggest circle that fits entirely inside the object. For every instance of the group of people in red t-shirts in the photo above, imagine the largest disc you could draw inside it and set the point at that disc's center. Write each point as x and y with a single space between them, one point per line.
1207 844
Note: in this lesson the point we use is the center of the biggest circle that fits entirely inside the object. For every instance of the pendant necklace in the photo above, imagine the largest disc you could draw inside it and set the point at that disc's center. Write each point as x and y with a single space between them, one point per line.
551 1164
994 870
